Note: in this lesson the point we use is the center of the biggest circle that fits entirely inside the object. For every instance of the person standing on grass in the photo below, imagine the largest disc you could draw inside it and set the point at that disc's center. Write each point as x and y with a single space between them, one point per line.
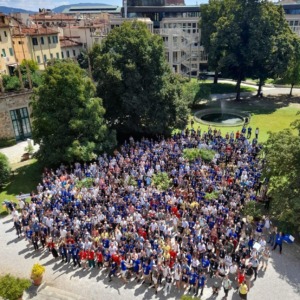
256 132
249 131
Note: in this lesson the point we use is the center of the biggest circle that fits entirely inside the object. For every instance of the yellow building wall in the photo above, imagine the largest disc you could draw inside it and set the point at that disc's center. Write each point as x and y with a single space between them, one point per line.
7 56
41 50
21 48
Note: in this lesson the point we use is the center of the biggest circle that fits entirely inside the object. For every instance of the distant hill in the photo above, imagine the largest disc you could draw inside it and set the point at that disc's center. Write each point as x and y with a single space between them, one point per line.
60 9
7 10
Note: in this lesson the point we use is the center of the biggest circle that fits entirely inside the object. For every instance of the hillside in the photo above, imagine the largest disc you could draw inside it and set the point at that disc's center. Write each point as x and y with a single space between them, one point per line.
7 10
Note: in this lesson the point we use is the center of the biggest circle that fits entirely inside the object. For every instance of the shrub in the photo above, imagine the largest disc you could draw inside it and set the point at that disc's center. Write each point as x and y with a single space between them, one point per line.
4 169
12 288
161 181
212 195
252 210
7 142
11 83
86 182
37 271
205 154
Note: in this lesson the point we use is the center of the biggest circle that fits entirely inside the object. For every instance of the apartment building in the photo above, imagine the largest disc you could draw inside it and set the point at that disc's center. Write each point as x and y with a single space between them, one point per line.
69 48
37 43
7 59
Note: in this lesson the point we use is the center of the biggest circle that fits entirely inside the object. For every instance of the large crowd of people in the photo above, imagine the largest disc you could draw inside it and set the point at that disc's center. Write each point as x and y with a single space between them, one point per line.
108 215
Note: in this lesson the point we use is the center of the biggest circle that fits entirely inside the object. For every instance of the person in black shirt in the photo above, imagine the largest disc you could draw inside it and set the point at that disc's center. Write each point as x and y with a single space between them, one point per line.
248 275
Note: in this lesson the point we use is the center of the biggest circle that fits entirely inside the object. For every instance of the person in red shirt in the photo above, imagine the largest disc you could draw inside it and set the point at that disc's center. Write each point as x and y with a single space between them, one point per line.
99 259
83 257
91 258
240 277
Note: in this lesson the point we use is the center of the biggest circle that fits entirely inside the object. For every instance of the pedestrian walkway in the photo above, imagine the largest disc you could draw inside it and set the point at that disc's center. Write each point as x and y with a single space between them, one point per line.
280 281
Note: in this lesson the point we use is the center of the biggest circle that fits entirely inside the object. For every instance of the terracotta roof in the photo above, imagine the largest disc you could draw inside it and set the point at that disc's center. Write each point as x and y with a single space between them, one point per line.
32 31
64 43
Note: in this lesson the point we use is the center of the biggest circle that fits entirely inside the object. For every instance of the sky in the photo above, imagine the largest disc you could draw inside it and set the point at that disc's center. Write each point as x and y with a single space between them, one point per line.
36 4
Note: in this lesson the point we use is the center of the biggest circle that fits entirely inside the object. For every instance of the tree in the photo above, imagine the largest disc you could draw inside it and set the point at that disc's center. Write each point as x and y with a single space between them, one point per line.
274 45
29 64
210 14
139 92
253 37
4 169
282 155
194 91
292 74
68 121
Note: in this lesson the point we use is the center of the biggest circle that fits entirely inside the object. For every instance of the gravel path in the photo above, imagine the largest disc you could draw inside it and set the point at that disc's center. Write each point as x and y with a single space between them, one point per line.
280 281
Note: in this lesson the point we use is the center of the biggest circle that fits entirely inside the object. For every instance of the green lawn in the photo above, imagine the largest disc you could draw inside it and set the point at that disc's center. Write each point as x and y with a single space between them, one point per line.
25 179
221 87
268 114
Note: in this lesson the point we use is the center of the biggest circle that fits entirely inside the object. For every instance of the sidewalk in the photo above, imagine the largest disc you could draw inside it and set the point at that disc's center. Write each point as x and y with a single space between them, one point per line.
280 281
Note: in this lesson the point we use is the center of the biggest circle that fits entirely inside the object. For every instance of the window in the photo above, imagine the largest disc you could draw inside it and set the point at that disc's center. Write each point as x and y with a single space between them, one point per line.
5 34
57 55
54 39
38 59
45 58
51 56
3 53
11 52
21 123
34 41
20 42
49 39
62 55
68 53
74 52
0 38
42 40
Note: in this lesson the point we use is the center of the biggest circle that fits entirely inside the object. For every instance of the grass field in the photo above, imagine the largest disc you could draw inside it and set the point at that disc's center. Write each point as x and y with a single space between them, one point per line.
26 176
268 114
225 88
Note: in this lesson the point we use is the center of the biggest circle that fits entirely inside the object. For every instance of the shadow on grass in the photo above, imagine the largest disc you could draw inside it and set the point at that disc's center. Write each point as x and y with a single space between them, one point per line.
253 105
23 180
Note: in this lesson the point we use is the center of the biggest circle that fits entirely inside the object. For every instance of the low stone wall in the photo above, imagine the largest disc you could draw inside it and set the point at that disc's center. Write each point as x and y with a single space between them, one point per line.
8 102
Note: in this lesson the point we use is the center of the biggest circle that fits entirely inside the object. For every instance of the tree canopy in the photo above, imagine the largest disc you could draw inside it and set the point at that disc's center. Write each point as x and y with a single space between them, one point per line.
249 38
68 122
139 91
282 168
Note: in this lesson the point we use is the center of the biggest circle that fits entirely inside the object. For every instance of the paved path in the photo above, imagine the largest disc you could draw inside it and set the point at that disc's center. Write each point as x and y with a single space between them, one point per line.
280 281
14 153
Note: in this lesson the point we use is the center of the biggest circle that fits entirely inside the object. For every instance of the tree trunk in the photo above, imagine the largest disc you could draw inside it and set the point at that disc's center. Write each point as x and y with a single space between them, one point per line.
238 89
260 84
291 91
216 77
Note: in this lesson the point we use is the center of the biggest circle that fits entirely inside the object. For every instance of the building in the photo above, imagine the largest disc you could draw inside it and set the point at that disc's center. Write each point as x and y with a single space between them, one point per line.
37 43
8 60
53 20
292 14
178 26
92 9
69 47
116 22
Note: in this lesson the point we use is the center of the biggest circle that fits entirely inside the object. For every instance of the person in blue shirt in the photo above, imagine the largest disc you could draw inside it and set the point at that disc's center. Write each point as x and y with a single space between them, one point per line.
75 255
193 281
201 283
123 270
137 268
278 241
146 272
113 270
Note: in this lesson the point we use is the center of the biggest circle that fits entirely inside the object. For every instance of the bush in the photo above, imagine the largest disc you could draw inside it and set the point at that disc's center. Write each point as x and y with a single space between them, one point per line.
253 210
12 288
11 83
4 169
7 142
86 182
192 154
161 181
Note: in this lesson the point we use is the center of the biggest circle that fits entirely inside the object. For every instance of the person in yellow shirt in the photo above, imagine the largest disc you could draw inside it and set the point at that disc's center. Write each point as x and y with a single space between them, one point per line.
243 290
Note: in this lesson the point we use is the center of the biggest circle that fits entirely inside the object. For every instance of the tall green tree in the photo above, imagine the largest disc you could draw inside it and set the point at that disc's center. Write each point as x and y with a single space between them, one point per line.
5 169
68 122
292 74
139 91
210 14
253 37
282 167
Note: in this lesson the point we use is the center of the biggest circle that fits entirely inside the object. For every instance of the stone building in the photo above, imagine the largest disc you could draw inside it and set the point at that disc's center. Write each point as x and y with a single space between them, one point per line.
15 115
